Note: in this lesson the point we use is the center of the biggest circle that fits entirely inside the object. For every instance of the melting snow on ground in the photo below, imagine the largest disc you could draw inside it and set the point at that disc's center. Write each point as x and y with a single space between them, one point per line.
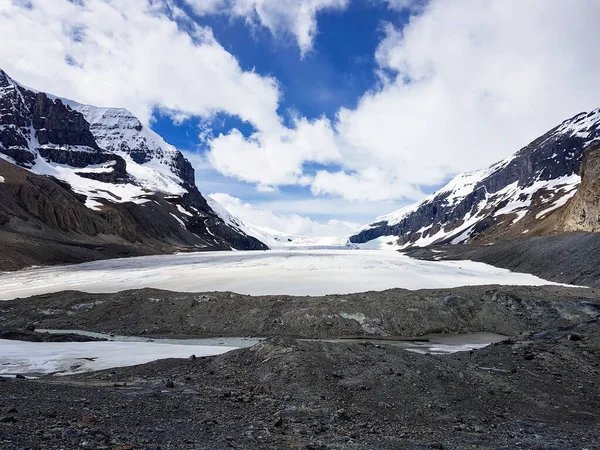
64 358
275 272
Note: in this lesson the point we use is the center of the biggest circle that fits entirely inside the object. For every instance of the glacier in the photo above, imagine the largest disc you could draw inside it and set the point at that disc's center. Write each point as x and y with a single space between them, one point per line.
274 272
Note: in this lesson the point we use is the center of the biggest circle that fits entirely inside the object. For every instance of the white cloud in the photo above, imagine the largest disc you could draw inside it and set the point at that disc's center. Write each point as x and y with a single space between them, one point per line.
463 84
129 53
286 223
369 184
400 5
316 207
297 18
270 159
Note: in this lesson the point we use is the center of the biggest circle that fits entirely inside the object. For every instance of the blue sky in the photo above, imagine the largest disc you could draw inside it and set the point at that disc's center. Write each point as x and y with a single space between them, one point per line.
337 71
316 116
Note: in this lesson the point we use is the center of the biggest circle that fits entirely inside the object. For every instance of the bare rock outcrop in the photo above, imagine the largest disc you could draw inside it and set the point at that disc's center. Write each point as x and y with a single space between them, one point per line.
582 213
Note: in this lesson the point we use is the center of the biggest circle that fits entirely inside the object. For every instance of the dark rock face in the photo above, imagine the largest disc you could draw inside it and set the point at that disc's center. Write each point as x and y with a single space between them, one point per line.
185 170
209 220
556 154
26 116
82 159
34 125
58 124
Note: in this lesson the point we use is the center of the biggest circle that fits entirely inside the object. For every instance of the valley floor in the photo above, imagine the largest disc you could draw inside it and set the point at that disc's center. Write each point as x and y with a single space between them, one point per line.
302 387
538 391
274 272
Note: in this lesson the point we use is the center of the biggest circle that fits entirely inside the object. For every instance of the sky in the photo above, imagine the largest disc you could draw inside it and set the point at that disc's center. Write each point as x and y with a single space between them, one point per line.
315 116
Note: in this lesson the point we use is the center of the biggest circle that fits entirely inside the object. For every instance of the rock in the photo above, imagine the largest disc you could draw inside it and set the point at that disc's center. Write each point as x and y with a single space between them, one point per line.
88 419
556 154
36 125
169 384
582 213
7 419
20 377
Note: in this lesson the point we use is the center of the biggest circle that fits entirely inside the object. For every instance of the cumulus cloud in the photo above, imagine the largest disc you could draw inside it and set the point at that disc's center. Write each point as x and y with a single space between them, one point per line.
463 84
297 18
134 54
400 5
286 223
270 159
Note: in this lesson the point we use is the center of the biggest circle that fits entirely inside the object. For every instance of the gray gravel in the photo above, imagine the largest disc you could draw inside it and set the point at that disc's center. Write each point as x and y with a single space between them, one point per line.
571 258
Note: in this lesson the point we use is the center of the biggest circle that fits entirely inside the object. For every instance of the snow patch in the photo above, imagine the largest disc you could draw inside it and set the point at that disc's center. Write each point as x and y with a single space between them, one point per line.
93 189
182 210
181 222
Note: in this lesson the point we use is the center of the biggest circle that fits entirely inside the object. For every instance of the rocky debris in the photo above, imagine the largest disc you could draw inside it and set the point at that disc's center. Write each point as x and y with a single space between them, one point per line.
43 222
32 336
505 310
571 258
280 394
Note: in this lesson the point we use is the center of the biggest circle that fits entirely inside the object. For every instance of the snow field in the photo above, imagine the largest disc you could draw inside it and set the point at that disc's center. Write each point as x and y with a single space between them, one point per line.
274 272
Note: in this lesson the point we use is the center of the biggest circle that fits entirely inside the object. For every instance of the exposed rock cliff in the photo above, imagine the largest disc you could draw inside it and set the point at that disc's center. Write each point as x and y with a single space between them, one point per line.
102 175
582 213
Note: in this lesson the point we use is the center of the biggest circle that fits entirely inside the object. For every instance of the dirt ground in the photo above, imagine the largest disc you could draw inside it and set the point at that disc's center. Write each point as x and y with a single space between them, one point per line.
536 390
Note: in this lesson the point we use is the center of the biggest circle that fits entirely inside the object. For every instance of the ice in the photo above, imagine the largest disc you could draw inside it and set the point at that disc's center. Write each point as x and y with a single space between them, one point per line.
64 358
275 272
1 179
435 344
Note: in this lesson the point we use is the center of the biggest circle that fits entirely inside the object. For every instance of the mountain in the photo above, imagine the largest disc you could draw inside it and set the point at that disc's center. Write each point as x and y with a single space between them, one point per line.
521 196
80 176
277 239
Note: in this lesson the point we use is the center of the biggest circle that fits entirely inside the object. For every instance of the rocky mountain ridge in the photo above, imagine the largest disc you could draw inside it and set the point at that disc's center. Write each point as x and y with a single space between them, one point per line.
77 173
523 195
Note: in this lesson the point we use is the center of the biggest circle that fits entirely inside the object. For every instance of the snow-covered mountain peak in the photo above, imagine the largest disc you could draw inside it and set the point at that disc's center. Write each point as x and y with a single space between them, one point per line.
5 80
511 196
108 157
152 163
583 125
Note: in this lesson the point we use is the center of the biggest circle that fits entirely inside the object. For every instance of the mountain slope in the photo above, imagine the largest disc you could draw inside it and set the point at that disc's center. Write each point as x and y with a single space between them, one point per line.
519 196
114 180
